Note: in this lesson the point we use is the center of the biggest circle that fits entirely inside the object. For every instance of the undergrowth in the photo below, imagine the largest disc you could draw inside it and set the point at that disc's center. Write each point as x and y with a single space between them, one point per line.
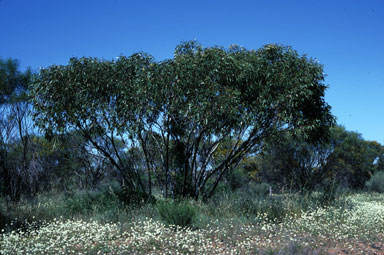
245 221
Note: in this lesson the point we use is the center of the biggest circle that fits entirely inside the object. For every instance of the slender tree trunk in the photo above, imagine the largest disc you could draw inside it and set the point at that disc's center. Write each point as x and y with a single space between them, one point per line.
6 177
167 160
186 181
147 161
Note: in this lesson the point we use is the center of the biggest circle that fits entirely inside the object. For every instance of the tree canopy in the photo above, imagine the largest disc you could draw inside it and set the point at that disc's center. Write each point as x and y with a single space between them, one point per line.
178 112
13 82
347 160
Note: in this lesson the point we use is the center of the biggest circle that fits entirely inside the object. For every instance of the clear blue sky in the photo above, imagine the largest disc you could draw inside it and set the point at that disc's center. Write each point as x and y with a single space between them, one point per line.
347 36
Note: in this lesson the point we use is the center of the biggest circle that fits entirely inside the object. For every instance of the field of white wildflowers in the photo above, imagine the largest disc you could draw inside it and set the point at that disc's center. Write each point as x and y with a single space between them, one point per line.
330 230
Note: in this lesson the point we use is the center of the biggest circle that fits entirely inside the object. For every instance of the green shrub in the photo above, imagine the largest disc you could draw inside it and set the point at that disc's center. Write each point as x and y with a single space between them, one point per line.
78 203
132 197
376 183
328 194
180 213
237 179
272 210
259 189
84 202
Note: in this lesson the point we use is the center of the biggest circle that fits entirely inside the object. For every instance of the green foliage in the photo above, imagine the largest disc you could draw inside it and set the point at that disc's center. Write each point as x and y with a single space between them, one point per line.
237 178
324 197
294 164
13 82
353 159
79 202
180 213
86 201
259 189
132 197
180 110
347 161
103 205
376 183
314 231
255 205
273 209
251 202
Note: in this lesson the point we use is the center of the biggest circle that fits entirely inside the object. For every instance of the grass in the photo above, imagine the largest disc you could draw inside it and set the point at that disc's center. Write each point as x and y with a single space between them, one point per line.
236 223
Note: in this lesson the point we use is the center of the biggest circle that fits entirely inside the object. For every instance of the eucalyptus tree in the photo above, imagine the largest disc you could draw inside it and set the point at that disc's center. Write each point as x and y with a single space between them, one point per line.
178 112
347 160
15 126
99 99
353 160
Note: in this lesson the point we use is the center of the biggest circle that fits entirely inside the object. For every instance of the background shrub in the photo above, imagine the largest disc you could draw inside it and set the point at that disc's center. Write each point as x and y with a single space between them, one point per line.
181 213
132 197
376 183
259 189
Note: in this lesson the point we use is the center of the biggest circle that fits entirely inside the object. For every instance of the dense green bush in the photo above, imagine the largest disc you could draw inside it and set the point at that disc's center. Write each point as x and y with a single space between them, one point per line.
78 202
180 213
132 197
237 179
376 183
83 202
